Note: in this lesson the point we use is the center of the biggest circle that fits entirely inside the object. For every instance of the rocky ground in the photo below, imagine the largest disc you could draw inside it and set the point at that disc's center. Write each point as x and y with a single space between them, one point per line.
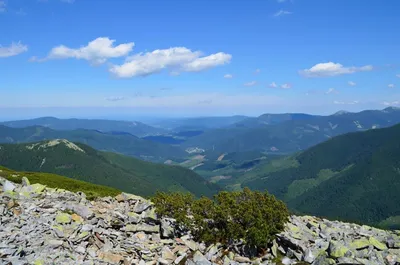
40 225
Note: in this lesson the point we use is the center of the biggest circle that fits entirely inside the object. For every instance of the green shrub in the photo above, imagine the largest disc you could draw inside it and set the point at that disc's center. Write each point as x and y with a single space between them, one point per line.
252 216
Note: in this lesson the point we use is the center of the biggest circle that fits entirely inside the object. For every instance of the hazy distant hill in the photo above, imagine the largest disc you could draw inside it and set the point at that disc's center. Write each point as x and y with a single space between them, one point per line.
82 162
291 135
270 119
198 123
132 127
355 176
119 142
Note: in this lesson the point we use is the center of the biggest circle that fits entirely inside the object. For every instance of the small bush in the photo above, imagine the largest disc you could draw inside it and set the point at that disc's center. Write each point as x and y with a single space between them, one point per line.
252 216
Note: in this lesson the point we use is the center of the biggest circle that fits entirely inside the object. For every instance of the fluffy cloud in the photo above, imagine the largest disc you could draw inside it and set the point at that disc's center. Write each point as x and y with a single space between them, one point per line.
286 86
228 76
331 91
177 59
252 83
351 83
282 13
273 85
2 6
391 86
96 51
346 103
332 69
12 50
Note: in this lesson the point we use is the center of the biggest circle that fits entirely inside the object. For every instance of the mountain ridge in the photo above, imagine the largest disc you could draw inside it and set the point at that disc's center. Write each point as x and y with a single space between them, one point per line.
124 143
79 161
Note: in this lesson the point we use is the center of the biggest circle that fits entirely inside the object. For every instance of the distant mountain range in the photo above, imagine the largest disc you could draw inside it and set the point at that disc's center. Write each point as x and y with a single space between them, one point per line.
120 142
198 123
81 162
133 127
355 177
288 133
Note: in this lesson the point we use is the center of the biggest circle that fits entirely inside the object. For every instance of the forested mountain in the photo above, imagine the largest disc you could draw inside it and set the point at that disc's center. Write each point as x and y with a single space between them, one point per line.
123 143
81 162
133 127
291 133
355 177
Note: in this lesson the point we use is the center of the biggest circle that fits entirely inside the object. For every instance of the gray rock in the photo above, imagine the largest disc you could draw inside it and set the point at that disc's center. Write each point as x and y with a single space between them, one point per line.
8 186
199 259
167 227
141 206
80 209
54 243
308 256
143 228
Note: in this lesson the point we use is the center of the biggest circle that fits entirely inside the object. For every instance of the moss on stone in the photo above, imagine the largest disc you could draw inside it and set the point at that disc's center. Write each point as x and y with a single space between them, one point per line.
377 244
63 218
360 243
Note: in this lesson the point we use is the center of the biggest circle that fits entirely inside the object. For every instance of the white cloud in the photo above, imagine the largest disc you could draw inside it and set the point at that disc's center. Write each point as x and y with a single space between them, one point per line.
346 103
115 98
351 83
331 91
228 76
273 85
13 49
286 86
332 69
206 62
252 83
257 71
391 86
177 59
386 103
96 51
2 6
282 13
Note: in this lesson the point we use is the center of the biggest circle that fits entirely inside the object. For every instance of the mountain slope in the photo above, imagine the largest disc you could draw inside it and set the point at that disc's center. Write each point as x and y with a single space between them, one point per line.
123 143
355 176
55 181
294 134
136 128
82 162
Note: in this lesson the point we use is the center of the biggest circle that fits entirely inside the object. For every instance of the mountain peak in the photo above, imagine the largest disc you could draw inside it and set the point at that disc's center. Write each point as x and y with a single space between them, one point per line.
391 108
55 142
341 112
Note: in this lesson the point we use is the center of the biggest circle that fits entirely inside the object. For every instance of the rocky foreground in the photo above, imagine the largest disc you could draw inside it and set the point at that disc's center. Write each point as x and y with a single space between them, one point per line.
40 225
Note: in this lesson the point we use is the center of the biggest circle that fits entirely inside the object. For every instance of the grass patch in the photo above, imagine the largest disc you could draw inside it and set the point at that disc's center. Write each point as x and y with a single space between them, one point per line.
92 191
393 222
300 186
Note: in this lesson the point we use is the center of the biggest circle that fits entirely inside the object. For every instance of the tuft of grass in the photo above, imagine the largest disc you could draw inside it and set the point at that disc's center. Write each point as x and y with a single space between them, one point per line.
92 191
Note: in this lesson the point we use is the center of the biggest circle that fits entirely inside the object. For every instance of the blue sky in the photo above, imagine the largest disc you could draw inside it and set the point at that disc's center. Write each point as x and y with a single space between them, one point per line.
198 57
